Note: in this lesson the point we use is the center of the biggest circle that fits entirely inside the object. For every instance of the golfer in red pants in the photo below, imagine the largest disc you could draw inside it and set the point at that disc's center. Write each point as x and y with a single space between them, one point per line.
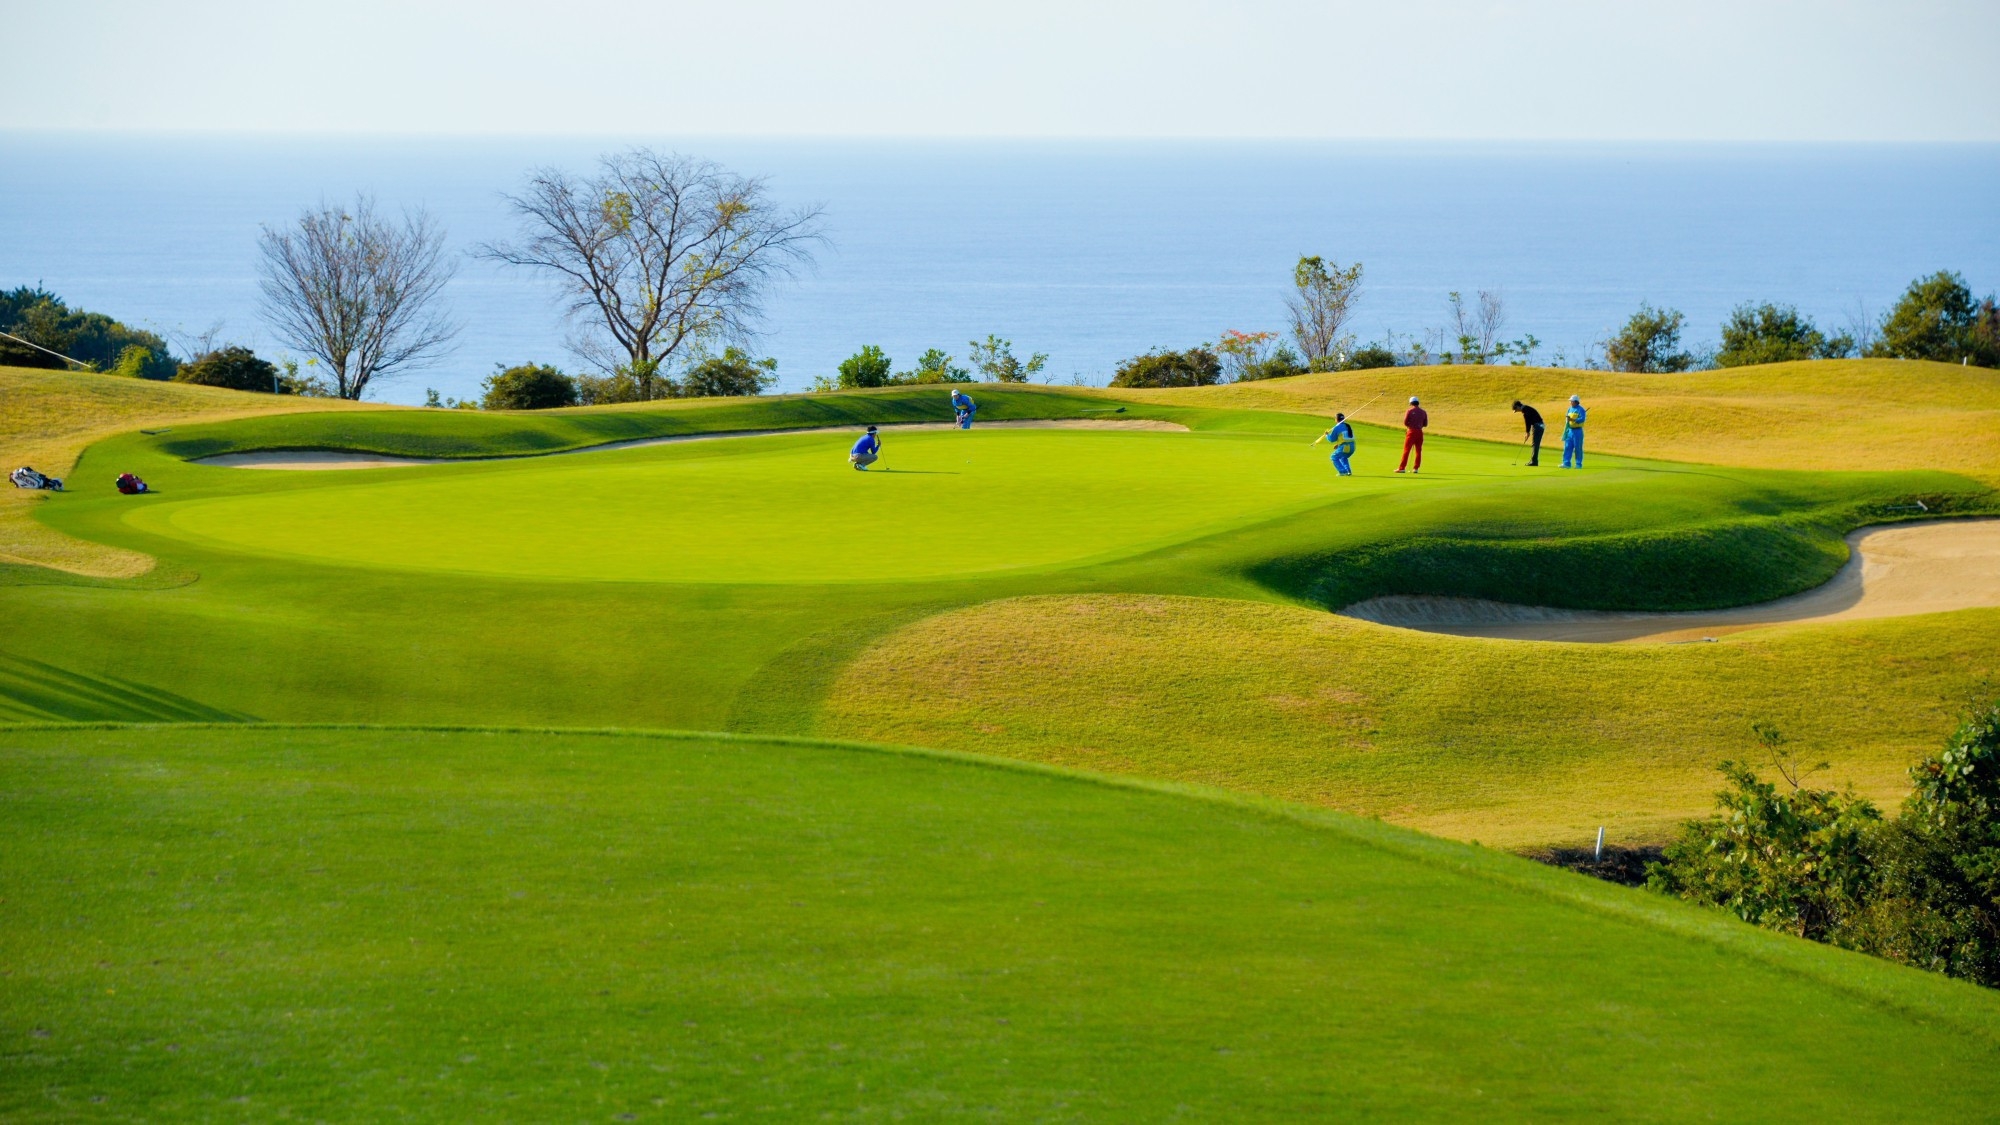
1413 436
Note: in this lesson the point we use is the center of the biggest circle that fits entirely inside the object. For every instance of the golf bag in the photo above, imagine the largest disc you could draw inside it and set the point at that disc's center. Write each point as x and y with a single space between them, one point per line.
24 477
131 485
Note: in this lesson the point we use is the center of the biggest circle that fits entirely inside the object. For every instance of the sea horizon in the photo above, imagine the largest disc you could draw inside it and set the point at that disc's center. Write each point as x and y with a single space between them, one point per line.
1087 249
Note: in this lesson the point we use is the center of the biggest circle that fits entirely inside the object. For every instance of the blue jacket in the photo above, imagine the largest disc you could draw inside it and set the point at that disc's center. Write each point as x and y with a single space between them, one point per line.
867 444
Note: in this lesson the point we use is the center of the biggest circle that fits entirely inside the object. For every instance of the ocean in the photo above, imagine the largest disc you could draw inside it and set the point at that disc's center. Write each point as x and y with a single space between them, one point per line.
1087 251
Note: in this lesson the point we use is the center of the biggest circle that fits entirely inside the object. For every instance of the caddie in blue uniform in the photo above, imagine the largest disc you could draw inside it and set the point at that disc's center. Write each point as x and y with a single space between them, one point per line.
963 406
1573 433
1342 438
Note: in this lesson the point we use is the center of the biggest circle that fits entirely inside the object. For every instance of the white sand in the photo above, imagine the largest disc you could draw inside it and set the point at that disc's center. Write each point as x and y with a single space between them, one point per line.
330 459
1895 571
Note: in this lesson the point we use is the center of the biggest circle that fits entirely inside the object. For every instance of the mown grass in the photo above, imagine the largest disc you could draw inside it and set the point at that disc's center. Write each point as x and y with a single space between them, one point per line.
48 417
260 923
478 434
675 611
1510 743
1827 414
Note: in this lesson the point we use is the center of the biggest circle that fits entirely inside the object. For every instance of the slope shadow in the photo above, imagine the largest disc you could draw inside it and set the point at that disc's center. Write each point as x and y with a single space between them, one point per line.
31 691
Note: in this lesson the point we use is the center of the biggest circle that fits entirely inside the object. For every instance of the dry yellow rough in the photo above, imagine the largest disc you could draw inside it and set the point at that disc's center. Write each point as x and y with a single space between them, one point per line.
1510 743
1824 414
47 418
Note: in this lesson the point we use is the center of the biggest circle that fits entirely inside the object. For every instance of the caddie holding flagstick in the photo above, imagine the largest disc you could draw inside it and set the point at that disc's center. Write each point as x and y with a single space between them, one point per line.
1342 438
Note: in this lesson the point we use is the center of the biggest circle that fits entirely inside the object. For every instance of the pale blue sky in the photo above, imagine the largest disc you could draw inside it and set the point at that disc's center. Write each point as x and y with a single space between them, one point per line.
1495 69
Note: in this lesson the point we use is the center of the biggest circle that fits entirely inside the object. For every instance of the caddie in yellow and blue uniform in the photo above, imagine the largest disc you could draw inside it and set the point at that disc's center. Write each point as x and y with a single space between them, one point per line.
1342 438
1573 433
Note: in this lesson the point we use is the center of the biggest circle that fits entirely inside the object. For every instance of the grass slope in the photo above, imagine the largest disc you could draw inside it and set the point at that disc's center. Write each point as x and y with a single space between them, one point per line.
1506 742
48 417
1825 414
727 584
258 923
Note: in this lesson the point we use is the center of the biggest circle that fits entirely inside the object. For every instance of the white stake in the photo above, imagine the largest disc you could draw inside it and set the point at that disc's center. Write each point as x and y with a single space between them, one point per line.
1600 844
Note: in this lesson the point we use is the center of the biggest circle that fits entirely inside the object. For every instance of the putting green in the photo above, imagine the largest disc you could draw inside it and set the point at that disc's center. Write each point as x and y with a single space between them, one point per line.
786 508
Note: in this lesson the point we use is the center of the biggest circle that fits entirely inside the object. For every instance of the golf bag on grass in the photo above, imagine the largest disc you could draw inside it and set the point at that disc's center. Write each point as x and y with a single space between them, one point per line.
131 485
24 477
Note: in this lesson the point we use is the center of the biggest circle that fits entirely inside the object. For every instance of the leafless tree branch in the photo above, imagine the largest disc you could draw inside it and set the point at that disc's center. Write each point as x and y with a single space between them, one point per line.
656 252
357 292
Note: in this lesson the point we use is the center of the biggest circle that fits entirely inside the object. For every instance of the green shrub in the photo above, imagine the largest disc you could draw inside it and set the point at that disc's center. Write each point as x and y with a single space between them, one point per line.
1923 889
995 360
604 390
733 374
528 386
1281 363
868 367
1195 367
1771 333
1649 342
934 366
236 368
43 318
1794 860
1938 864
1938 319
1374 355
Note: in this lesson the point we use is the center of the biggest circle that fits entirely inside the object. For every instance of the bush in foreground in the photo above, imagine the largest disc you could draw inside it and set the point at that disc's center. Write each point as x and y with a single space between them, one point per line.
1922 889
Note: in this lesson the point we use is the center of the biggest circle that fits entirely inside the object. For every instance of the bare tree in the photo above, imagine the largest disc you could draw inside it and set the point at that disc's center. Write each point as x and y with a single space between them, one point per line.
1478 328
1324 297
357 292
655 253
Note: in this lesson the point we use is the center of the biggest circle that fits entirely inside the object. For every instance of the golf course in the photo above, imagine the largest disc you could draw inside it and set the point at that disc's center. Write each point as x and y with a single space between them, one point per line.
650 762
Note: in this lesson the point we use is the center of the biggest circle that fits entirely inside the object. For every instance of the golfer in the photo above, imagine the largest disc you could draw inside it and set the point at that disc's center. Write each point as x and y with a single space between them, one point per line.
1414 421
1532 418
1342 437
866 451
1573 432
963 406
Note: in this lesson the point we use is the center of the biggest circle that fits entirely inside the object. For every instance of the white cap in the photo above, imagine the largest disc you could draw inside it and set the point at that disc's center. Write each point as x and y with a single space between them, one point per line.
1413 400
1573 398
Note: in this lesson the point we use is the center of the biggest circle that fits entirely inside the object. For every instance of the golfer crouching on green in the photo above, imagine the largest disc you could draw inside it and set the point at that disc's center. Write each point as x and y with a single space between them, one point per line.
866 451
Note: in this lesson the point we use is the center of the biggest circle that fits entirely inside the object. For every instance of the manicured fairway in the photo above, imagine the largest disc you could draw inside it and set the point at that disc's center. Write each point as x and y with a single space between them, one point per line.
791 509
259 924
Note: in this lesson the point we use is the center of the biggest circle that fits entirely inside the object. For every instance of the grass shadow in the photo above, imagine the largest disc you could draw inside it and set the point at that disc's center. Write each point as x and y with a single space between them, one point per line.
32 691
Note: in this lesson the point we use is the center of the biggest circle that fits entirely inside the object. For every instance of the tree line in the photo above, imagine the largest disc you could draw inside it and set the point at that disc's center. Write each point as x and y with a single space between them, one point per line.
1936 318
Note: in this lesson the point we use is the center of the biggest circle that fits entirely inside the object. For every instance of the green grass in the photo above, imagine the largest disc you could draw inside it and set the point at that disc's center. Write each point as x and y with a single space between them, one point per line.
775 509
258 923
734 584
432 433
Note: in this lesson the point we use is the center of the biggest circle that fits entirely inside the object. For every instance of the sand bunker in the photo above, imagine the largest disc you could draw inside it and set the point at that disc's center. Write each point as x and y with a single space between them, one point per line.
1895 571
333 459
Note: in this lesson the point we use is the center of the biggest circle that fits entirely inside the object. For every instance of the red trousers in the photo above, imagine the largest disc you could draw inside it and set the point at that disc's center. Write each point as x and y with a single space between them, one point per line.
1412 440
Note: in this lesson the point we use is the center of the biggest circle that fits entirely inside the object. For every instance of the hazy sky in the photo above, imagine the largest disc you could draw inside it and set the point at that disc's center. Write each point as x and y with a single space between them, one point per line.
1554 69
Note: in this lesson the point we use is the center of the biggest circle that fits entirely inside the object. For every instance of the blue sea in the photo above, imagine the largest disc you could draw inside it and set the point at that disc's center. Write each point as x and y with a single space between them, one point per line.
1087 251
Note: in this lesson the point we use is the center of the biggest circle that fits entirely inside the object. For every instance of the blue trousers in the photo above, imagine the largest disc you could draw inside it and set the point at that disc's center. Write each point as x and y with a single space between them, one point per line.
1340 462
965 419
1572 447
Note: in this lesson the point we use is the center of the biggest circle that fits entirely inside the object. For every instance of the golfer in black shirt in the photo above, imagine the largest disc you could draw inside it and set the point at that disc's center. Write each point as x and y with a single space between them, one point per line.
1533 419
